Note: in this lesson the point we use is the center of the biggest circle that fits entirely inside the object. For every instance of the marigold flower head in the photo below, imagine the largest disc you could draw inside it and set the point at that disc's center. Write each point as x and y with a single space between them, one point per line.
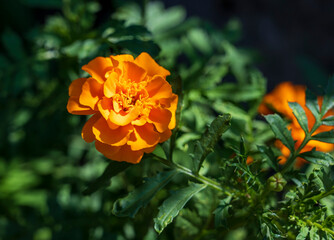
133 105
278 101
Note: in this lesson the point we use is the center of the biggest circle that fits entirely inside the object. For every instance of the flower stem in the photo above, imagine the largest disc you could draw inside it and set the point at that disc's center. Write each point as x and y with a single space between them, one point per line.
295 154
323 195
310 223
211 183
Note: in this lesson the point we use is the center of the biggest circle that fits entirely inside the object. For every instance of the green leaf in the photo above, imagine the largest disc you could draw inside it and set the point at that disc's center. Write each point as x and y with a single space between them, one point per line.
221 212
210 137
200 39
303 233
13 44
172 205
328 121
140 197
189 222
312 104
111 170
299 113
270 156
278 126
313 233
328 101
138 46
327 137
317 157
235 92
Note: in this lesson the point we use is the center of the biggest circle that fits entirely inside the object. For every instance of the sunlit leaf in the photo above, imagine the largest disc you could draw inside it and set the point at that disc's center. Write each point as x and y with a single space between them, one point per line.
281 132
300 114
327 137
317 157
172 205
303 233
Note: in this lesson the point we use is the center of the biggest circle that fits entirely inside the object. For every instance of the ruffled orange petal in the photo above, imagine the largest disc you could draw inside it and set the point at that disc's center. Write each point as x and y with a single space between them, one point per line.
133 72
91 93
145 61
125 154
116 137
107 150
143 137
124 118
160 118
104 106
120 154
172 109
109 89
139 121
87 131
159 88
165 135
98 67
149 150
73 104
121 58
75 88
74 107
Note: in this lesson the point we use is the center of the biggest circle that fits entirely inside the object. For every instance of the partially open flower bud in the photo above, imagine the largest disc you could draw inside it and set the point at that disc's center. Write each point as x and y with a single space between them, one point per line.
276 182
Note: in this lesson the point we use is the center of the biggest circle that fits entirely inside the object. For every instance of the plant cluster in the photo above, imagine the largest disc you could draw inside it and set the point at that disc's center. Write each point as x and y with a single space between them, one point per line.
223 173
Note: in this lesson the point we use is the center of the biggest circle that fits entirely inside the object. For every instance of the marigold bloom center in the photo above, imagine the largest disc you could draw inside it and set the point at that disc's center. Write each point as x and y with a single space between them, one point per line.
133 105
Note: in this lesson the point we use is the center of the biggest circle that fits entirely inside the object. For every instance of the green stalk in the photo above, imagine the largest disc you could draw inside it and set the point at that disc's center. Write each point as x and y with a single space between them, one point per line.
310 223
295 154
211 183
322 195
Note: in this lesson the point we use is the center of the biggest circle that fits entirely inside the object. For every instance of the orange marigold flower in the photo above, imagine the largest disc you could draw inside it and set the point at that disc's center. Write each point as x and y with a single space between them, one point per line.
277 101
133 105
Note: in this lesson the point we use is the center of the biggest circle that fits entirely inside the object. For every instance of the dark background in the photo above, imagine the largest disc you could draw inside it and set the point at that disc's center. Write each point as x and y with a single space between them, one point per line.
294 38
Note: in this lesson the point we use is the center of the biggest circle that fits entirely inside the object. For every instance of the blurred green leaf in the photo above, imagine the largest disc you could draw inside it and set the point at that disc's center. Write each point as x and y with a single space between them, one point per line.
200 39
235 92
328 101
281 132
188 222
300 114
111 170
13 45
313 233
221 212
317 157
172 205
270 156
303 233
312 103
141 196
238 61
137 46
328 121
327 137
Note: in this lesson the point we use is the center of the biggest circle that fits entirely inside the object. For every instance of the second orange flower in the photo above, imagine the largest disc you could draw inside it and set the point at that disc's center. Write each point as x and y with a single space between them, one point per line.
133 105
